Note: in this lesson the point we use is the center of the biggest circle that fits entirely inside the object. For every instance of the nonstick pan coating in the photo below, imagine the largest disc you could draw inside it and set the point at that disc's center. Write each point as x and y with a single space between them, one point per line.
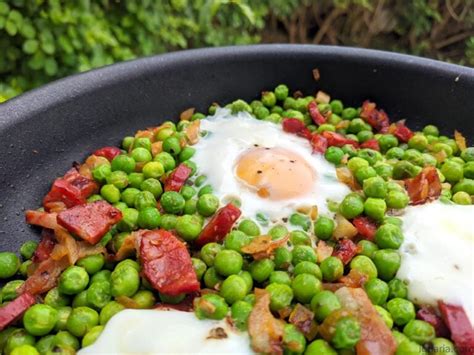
44 131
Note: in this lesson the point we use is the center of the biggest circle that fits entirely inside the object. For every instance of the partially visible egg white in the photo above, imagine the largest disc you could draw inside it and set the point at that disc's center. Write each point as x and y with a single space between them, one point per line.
438 255
166 332
229 135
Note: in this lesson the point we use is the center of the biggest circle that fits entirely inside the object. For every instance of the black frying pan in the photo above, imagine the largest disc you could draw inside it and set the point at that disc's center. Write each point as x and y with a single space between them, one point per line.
44 131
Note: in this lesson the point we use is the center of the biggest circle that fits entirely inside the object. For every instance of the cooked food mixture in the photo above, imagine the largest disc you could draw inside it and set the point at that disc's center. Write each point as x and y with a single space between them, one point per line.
292 224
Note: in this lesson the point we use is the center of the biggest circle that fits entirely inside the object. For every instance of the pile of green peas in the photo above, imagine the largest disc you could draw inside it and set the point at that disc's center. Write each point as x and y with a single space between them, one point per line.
73 314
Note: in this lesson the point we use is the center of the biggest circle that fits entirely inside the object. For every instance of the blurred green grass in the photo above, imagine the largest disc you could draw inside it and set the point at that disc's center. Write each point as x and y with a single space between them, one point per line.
42 40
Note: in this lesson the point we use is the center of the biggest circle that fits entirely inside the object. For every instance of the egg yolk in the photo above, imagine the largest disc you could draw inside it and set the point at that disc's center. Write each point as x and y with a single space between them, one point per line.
275 173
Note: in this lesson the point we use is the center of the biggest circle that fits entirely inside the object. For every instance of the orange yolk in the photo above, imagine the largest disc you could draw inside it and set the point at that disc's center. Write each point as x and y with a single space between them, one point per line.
275 173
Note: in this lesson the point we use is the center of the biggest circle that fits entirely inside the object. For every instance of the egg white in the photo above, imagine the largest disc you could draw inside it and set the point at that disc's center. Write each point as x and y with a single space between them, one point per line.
438 254
166 332
229 135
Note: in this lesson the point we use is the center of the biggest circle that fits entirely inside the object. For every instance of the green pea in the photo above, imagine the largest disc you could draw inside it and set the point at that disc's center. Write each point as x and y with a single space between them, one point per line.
394 153
9 264
247 277
10 290
468 154
307 267
465 185
99 294
261 269
249 227
24 267
385 315
128 196
364 265
303 253
211 278
92 263
320 347
127 142
389 236
468 170
349 113
462 198
135 180
207 204
202 309
372 156
397 289
324 227
375 208
377 290
278 231
414 156
153 169
125 281
387 262
164 133
64 339
168 221
401 310
305 286
118 178
366 247
80 300
442 346
375 187
188 227
124 163
149 218
172 202
141 155
300 220
324 303
332 268
199 266
419 331
101 173
346 333
81 320
397 199
299 238
235 240
452 171
142 142
166 159
186 153
190 207
63 315
384 170
109 310
73 280
282 258
293 340
103 275
171 145
45 344
233 289
188 192
144 299
129 221
55 299
334 155
240 312
228 262
28 249
94 198
356 163
40 319
4 335
364 136
351 206
17 338
145 199
281 296
92 335
281 92
280 277
110 193
209 252
25 349
431 130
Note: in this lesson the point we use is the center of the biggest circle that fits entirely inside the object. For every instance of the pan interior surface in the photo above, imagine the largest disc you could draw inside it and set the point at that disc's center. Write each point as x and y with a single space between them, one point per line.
43 132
